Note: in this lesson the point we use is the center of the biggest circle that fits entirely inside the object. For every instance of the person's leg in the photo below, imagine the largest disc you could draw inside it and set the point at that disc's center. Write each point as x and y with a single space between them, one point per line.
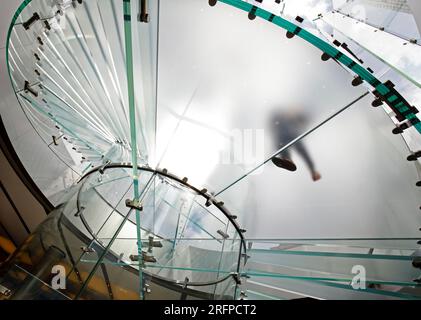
302 150
285 154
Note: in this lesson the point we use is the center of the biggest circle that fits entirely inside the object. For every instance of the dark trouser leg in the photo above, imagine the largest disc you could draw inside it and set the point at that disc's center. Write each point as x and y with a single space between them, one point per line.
302 150
284 154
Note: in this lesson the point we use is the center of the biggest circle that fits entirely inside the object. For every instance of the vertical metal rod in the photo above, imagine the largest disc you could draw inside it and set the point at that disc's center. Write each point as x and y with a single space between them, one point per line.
132 115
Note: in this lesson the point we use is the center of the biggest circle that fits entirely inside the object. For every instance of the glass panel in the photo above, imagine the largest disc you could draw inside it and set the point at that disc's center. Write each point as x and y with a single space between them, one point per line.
292 288
354 197
218 121
387 269
379 244
395 16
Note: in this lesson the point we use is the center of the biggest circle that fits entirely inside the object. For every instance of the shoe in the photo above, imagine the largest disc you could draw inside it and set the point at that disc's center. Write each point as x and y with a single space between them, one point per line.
284 163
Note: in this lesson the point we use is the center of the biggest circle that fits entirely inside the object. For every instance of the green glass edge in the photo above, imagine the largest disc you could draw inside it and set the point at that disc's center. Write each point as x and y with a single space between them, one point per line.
256 273
132 114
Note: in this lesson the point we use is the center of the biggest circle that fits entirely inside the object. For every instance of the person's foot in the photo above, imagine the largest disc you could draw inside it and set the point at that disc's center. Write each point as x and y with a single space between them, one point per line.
284 163
315 176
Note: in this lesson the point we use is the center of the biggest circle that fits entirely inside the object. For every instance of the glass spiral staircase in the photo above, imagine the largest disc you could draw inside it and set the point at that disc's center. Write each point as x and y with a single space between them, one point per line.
156 140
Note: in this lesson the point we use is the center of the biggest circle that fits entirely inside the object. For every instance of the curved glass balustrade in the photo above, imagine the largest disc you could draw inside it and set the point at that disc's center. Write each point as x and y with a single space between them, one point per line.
190 244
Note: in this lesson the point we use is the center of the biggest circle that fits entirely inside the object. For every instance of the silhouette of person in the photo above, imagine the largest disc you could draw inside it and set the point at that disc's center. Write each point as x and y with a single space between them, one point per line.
286 126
